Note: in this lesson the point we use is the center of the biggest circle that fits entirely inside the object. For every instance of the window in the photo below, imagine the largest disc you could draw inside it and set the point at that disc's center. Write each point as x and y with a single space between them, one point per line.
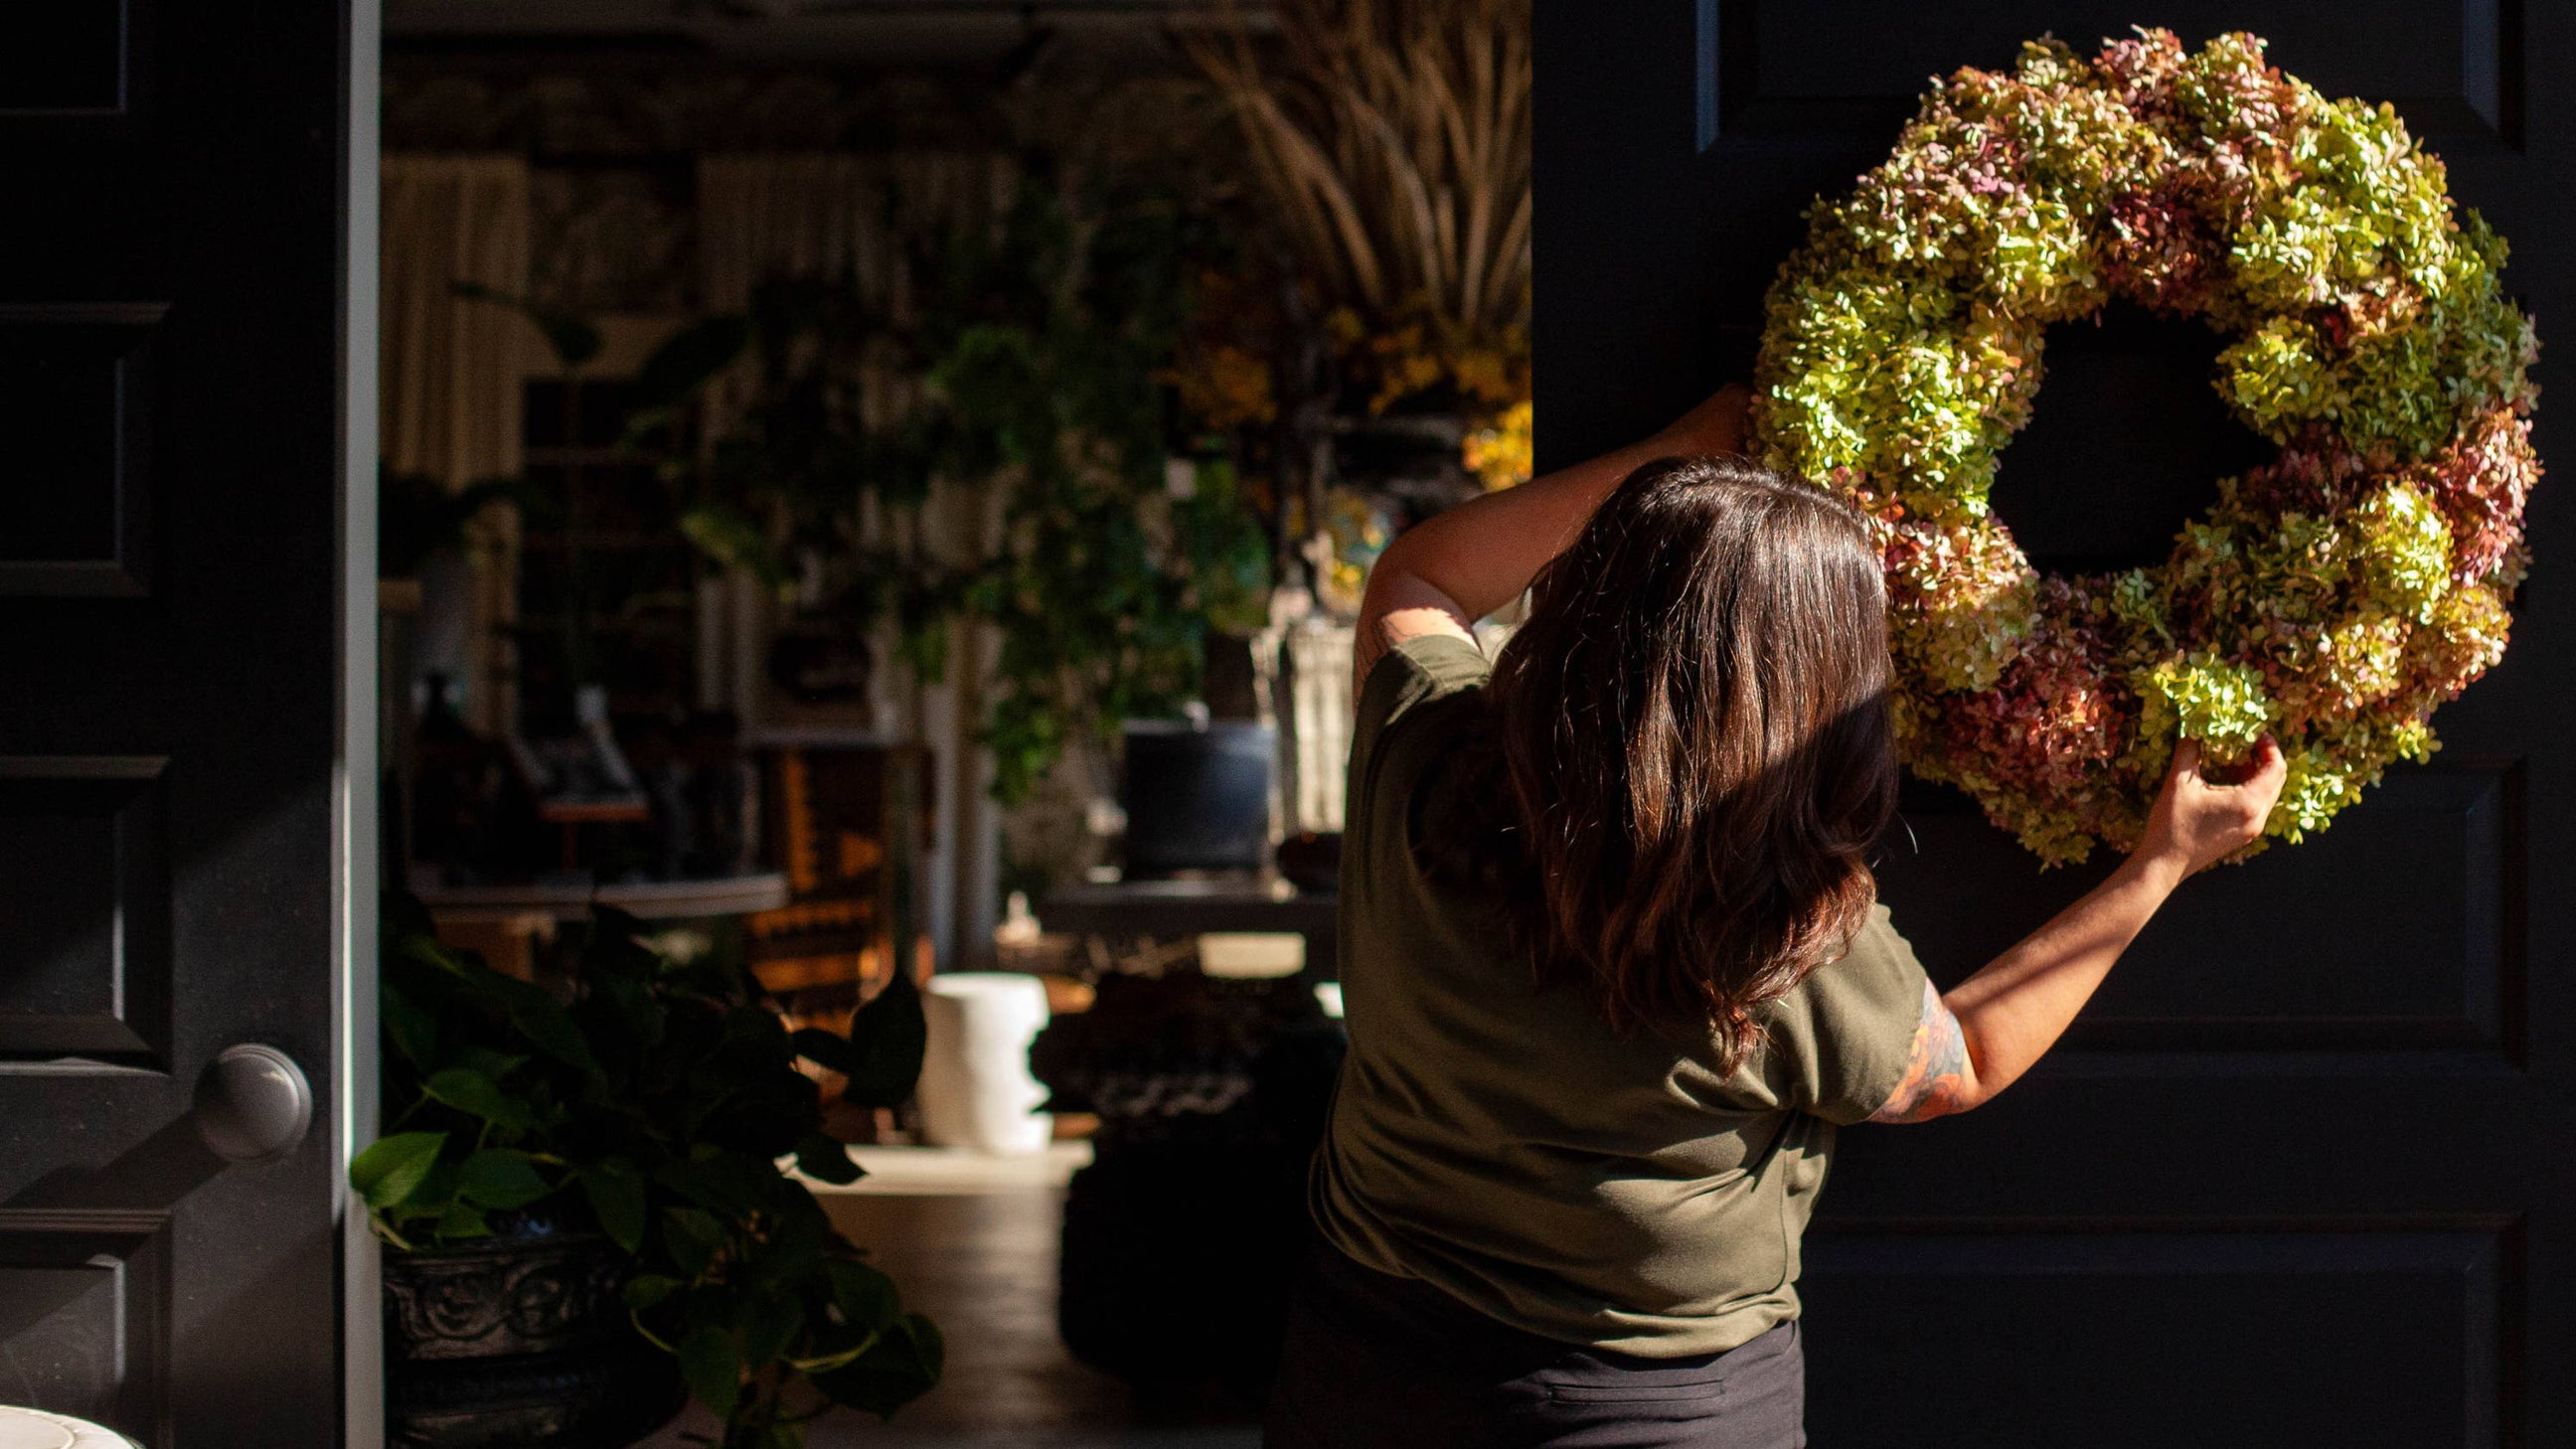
606 581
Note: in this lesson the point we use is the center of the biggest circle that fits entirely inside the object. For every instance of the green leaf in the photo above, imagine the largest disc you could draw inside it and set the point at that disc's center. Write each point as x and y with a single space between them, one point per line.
463 1220
437 1191
728 1183
640 1017
898 1368
494 1064
545 1023
826 1049
865 1297
646 1290
770 1324
613 924
412 1030
713 1368
887 1037
615 1191
694 1236
472 1092
824 1160
792 1253
496 1177
391 1168
690 358
570 336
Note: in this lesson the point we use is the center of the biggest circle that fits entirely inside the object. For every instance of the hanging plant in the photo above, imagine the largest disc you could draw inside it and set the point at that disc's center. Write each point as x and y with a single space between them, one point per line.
994 454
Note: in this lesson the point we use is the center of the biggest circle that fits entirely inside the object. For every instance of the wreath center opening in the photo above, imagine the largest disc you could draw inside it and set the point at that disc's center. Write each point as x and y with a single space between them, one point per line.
2126 443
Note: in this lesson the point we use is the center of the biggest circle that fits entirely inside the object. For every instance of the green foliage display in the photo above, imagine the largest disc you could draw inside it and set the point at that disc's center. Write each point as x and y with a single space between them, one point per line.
996 452
655 1103
2335 596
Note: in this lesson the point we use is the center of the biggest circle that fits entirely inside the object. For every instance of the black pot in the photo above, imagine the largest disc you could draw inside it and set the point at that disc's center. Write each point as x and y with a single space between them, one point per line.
519 1342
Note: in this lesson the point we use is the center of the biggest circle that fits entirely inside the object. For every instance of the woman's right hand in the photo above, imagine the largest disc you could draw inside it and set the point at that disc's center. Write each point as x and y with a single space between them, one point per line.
2198 821
1986 1031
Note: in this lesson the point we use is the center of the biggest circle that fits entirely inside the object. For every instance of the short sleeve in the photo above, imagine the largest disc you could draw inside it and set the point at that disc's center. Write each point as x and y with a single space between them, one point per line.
1841 1042
1416 702
1412 675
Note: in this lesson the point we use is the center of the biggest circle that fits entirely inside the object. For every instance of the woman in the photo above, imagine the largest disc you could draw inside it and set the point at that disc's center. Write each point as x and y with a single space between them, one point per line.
1613 965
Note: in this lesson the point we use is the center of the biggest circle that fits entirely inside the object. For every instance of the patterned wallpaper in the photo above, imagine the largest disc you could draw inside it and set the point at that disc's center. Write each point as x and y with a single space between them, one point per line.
613 152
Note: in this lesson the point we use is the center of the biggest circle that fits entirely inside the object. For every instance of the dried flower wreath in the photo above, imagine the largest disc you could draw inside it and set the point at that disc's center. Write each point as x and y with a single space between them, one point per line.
2334 596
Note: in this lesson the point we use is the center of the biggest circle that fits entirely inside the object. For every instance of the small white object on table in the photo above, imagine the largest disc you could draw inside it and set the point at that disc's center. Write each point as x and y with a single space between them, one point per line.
976 1090
36 1429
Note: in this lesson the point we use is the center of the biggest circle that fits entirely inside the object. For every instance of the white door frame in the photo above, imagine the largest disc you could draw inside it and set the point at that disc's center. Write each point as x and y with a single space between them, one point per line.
356 848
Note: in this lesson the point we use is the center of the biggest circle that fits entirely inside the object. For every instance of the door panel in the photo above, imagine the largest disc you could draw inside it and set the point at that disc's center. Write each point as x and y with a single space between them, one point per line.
84 1307
77 511
85 890
69 58
173 298
1786 67
2200 1317
2428 965
2300 1174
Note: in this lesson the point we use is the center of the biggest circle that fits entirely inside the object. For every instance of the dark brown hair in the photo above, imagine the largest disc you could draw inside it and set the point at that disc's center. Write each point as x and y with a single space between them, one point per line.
1694 726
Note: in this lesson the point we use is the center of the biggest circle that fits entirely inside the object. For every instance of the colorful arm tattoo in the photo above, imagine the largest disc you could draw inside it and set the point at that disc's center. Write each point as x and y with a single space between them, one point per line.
1936 1074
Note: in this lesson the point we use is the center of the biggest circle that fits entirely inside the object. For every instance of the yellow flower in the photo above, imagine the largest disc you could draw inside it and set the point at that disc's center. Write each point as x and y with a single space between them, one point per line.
1501 453
1230 388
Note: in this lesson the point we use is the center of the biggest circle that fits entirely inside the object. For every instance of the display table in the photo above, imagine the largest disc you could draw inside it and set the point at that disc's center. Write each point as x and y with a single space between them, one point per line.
501 921
1173 910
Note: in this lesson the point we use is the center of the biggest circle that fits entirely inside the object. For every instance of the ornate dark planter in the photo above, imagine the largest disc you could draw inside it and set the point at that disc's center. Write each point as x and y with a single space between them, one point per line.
521 1342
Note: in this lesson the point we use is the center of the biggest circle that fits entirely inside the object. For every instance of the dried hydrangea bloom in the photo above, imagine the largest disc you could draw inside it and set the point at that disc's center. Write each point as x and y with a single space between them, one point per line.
2333 597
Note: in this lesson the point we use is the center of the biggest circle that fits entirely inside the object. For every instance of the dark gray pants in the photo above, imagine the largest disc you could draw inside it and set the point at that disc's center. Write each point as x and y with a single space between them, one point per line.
1376 1362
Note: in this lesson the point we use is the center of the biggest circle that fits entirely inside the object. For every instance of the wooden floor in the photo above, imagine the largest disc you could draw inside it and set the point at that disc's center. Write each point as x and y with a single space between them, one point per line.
979 1256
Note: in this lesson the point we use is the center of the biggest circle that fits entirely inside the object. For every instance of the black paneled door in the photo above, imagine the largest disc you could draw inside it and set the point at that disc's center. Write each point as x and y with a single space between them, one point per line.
175 875
2305 1173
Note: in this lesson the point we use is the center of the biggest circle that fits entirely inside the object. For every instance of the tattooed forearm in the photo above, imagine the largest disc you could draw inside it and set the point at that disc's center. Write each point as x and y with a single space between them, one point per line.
1937 1079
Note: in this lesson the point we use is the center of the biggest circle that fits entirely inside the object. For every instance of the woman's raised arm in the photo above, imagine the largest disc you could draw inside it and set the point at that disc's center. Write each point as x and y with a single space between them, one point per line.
1449 571
1992 1027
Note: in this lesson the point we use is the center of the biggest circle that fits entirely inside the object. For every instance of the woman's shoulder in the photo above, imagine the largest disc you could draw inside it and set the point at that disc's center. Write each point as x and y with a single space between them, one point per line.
1837 1042
1418 671
1876 964
1421 698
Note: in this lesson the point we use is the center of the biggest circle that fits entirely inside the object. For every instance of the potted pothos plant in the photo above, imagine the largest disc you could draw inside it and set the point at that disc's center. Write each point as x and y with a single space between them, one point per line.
586 1206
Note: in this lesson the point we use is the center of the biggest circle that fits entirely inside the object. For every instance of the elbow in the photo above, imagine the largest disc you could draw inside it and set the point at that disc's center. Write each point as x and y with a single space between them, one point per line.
1979 1082
1943 1076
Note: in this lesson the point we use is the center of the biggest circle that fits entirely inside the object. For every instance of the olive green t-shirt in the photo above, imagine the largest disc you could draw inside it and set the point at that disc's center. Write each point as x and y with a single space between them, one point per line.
1495 1138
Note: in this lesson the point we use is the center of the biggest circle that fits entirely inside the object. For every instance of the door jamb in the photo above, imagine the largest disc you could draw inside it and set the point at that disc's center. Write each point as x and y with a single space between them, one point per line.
355 826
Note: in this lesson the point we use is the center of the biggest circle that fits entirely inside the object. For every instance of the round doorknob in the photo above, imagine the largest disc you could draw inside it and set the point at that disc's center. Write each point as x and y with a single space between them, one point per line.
253 1104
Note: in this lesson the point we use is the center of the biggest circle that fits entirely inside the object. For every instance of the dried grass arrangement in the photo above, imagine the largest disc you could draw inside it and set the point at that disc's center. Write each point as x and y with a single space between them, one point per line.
1392 139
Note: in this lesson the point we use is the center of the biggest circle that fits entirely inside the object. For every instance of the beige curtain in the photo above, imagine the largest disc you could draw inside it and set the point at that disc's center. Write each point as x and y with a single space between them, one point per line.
451 366
451 389
822 213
